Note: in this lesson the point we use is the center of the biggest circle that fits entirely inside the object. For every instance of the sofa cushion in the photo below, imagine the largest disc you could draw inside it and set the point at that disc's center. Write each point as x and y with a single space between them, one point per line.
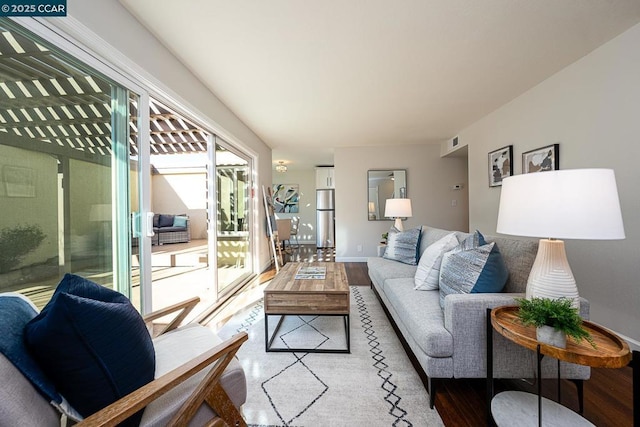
428 271
179 221
93 344
403 246
156 220
165 220
430 235
422 316
381 269
479 269
176 348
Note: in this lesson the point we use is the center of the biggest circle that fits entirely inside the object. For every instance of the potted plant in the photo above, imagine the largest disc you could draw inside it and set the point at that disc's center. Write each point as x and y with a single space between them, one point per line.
384 238
554 319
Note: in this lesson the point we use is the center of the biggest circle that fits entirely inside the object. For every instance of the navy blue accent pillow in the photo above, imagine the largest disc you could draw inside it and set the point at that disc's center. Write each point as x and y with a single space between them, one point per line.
15 313
93 344
165 220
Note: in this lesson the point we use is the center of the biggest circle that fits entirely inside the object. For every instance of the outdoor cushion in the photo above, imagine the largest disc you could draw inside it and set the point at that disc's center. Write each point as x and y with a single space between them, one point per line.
93 344
165 221
179 221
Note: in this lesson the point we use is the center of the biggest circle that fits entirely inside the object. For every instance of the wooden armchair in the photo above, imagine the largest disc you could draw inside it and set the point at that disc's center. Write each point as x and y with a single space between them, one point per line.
190 391
209 390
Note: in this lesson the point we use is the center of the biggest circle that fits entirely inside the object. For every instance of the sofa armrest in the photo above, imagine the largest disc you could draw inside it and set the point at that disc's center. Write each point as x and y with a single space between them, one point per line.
465 314
465 318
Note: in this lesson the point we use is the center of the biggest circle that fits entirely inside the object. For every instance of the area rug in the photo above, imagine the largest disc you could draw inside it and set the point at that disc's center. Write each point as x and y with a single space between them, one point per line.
374 385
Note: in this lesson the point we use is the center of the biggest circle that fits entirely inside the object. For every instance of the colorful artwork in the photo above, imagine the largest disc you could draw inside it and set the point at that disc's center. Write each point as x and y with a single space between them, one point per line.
286 198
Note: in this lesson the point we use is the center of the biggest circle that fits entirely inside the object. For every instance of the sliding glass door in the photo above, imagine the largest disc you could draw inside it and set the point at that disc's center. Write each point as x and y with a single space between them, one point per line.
61 127
233 184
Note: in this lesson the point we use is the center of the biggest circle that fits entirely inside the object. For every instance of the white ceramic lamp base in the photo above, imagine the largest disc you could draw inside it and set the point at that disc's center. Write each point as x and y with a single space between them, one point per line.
551 275
398 224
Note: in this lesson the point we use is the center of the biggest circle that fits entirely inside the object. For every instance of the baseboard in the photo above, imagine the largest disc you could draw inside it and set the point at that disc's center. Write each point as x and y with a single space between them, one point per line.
635 345
351 259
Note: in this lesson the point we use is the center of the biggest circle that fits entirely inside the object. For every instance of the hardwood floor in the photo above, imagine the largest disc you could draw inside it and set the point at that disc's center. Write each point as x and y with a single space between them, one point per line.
607 395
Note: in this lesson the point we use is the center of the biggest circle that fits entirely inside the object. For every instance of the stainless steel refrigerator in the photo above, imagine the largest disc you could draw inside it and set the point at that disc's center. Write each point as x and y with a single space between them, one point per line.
325 219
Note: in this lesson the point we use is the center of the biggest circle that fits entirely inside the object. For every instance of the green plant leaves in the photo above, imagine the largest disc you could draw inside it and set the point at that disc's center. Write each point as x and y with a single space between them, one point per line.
556 313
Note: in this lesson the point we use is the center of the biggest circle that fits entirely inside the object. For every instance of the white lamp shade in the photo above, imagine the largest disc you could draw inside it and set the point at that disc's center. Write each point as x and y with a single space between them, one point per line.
567 204
398 208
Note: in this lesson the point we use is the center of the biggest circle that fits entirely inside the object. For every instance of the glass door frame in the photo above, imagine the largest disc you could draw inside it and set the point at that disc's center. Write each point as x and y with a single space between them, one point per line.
77 41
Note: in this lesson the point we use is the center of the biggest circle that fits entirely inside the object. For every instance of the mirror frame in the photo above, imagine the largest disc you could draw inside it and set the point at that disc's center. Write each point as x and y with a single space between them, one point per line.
375 212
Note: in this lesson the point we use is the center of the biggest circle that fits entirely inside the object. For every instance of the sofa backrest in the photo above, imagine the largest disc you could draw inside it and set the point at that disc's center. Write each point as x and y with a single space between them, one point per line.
518 254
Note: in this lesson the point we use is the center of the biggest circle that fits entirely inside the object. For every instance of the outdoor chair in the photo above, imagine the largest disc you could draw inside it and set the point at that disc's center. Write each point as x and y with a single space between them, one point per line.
197 377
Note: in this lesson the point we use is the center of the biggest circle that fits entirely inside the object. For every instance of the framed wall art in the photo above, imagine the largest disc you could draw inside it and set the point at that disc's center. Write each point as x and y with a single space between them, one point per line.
500 165
541 159
286 198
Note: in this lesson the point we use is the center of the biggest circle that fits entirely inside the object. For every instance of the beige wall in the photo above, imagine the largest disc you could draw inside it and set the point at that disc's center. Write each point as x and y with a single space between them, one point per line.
592 109
41 210
429 181
182 193
307 209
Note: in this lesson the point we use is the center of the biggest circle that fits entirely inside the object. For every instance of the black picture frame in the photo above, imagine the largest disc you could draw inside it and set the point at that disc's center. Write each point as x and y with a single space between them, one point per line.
541 159
500 165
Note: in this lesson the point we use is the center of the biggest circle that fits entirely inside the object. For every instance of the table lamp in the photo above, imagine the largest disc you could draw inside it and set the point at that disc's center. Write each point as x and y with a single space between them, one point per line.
398 209
567 204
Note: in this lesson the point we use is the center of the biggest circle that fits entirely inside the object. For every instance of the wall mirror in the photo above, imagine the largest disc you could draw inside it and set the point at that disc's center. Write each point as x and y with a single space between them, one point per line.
384 184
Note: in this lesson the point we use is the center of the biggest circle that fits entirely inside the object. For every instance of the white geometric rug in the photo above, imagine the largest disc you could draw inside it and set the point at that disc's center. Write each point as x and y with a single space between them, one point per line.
374 385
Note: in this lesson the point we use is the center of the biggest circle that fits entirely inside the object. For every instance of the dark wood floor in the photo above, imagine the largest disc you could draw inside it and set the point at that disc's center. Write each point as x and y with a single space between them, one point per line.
607 395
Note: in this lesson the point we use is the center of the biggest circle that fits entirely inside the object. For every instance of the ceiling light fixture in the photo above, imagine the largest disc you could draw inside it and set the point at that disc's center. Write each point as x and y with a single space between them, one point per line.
280 167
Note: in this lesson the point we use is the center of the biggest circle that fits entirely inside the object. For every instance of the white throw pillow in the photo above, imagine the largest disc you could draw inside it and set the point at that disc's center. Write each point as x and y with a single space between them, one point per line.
428 272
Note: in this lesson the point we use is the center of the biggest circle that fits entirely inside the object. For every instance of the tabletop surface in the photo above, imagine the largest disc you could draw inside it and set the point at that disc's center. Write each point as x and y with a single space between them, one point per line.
611 351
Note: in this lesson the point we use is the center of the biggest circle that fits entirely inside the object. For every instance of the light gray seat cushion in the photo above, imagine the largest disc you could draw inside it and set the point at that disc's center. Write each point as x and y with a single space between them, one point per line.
381 269
421 315
176 348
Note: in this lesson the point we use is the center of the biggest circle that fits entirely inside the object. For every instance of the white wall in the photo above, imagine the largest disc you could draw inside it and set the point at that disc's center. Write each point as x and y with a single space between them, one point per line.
429 181
592 109
305 179
110 22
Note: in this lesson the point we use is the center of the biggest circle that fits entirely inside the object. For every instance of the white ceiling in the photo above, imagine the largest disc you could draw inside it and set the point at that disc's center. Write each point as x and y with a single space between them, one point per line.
307 76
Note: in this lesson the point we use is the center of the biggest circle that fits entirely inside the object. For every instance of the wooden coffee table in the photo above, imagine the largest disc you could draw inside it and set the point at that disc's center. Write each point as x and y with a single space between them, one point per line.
286 295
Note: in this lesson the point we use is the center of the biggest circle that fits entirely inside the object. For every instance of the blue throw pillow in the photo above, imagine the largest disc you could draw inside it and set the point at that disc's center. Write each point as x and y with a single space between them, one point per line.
15 313
180 221
93 344
472 267
165 220
403 246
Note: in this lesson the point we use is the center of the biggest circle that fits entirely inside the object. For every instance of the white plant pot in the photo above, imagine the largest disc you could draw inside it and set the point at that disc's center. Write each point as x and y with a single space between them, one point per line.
549 335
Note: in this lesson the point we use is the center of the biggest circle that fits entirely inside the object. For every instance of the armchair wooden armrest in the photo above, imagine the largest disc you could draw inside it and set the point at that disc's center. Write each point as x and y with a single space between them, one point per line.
186 306
209 390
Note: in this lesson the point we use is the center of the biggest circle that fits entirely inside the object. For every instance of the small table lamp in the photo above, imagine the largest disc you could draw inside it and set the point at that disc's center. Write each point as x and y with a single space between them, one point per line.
567 204
398 209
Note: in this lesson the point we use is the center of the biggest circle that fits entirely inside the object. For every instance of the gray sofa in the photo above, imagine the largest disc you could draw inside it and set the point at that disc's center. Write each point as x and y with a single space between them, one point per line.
451 342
